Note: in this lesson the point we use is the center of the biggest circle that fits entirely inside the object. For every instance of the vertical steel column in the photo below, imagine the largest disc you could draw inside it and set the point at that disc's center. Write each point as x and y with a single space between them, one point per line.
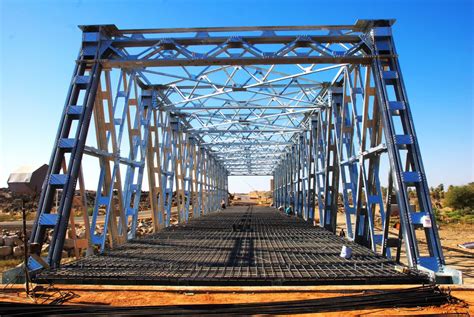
349 122
402 142
280 176
86 78
390 242
216 185
202 183
276 200
217 188
298 177
293 176
220 184
194 176
281 181
210 185
180 148
275 194
274 189
288 180
110 177
331 177
168 149
200 179
303 171
369 136
208 179
154 169
320 155
226 186
312 161
188 174
205 188
213 184
138 152
128 197
278 187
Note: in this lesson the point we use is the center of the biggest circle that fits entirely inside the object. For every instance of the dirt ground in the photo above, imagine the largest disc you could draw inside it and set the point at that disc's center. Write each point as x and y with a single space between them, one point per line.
162 296
451 236
461 259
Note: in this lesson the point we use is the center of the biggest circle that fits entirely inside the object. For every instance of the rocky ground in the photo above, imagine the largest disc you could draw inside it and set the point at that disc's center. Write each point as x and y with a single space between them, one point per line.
11 240
11 204
12 247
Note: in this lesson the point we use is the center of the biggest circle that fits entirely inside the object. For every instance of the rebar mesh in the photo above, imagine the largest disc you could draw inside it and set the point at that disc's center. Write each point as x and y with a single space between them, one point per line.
239 246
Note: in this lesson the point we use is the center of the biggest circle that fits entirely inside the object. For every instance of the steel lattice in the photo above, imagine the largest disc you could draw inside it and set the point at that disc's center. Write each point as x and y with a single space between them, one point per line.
323 109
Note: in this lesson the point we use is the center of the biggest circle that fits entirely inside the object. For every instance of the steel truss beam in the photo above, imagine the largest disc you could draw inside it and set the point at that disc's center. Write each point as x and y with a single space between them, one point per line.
366 120
320 108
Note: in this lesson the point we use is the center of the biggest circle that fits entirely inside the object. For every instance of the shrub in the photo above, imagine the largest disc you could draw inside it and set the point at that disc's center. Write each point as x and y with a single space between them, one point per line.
461 198
437 214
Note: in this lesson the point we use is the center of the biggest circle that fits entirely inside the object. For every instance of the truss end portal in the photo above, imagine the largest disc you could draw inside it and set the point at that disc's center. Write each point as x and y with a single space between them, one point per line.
323 109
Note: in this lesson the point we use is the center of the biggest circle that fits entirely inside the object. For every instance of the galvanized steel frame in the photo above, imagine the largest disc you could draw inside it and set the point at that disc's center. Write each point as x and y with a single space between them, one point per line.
213 102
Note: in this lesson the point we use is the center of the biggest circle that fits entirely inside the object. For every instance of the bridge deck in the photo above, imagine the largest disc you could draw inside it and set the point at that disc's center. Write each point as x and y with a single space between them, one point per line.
239 246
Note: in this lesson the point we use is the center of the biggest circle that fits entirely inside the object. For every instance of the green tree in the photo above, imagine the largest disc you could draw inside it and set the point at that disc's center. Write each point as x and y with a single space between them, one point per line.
440 190
460 197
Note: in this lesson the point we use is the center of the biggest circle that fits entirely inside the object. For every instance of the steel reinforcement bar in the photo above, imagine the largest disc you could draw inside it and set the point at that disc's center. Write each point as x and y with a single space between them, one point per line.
240 246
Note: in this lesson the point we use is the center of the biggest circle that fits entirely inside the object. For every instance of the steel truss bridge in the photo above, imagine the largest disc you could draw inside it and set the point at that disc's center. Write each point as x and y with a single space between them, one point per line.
322 109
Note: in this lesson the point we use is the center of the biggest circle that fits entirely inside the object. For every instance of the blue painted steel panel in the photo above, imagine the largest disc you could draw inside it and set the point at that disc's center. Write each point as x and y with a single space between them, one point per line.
48 219
58 179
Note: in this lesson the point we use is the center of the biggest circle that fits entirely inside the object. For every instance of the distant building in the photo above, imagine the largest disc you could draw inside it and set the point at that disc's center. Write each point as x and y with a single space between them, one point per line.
27 179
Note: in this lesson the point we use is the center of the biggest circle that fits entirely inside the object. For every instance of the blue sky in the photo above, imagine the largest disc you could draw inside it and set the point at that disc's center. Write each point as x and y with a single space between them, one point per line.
40 40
